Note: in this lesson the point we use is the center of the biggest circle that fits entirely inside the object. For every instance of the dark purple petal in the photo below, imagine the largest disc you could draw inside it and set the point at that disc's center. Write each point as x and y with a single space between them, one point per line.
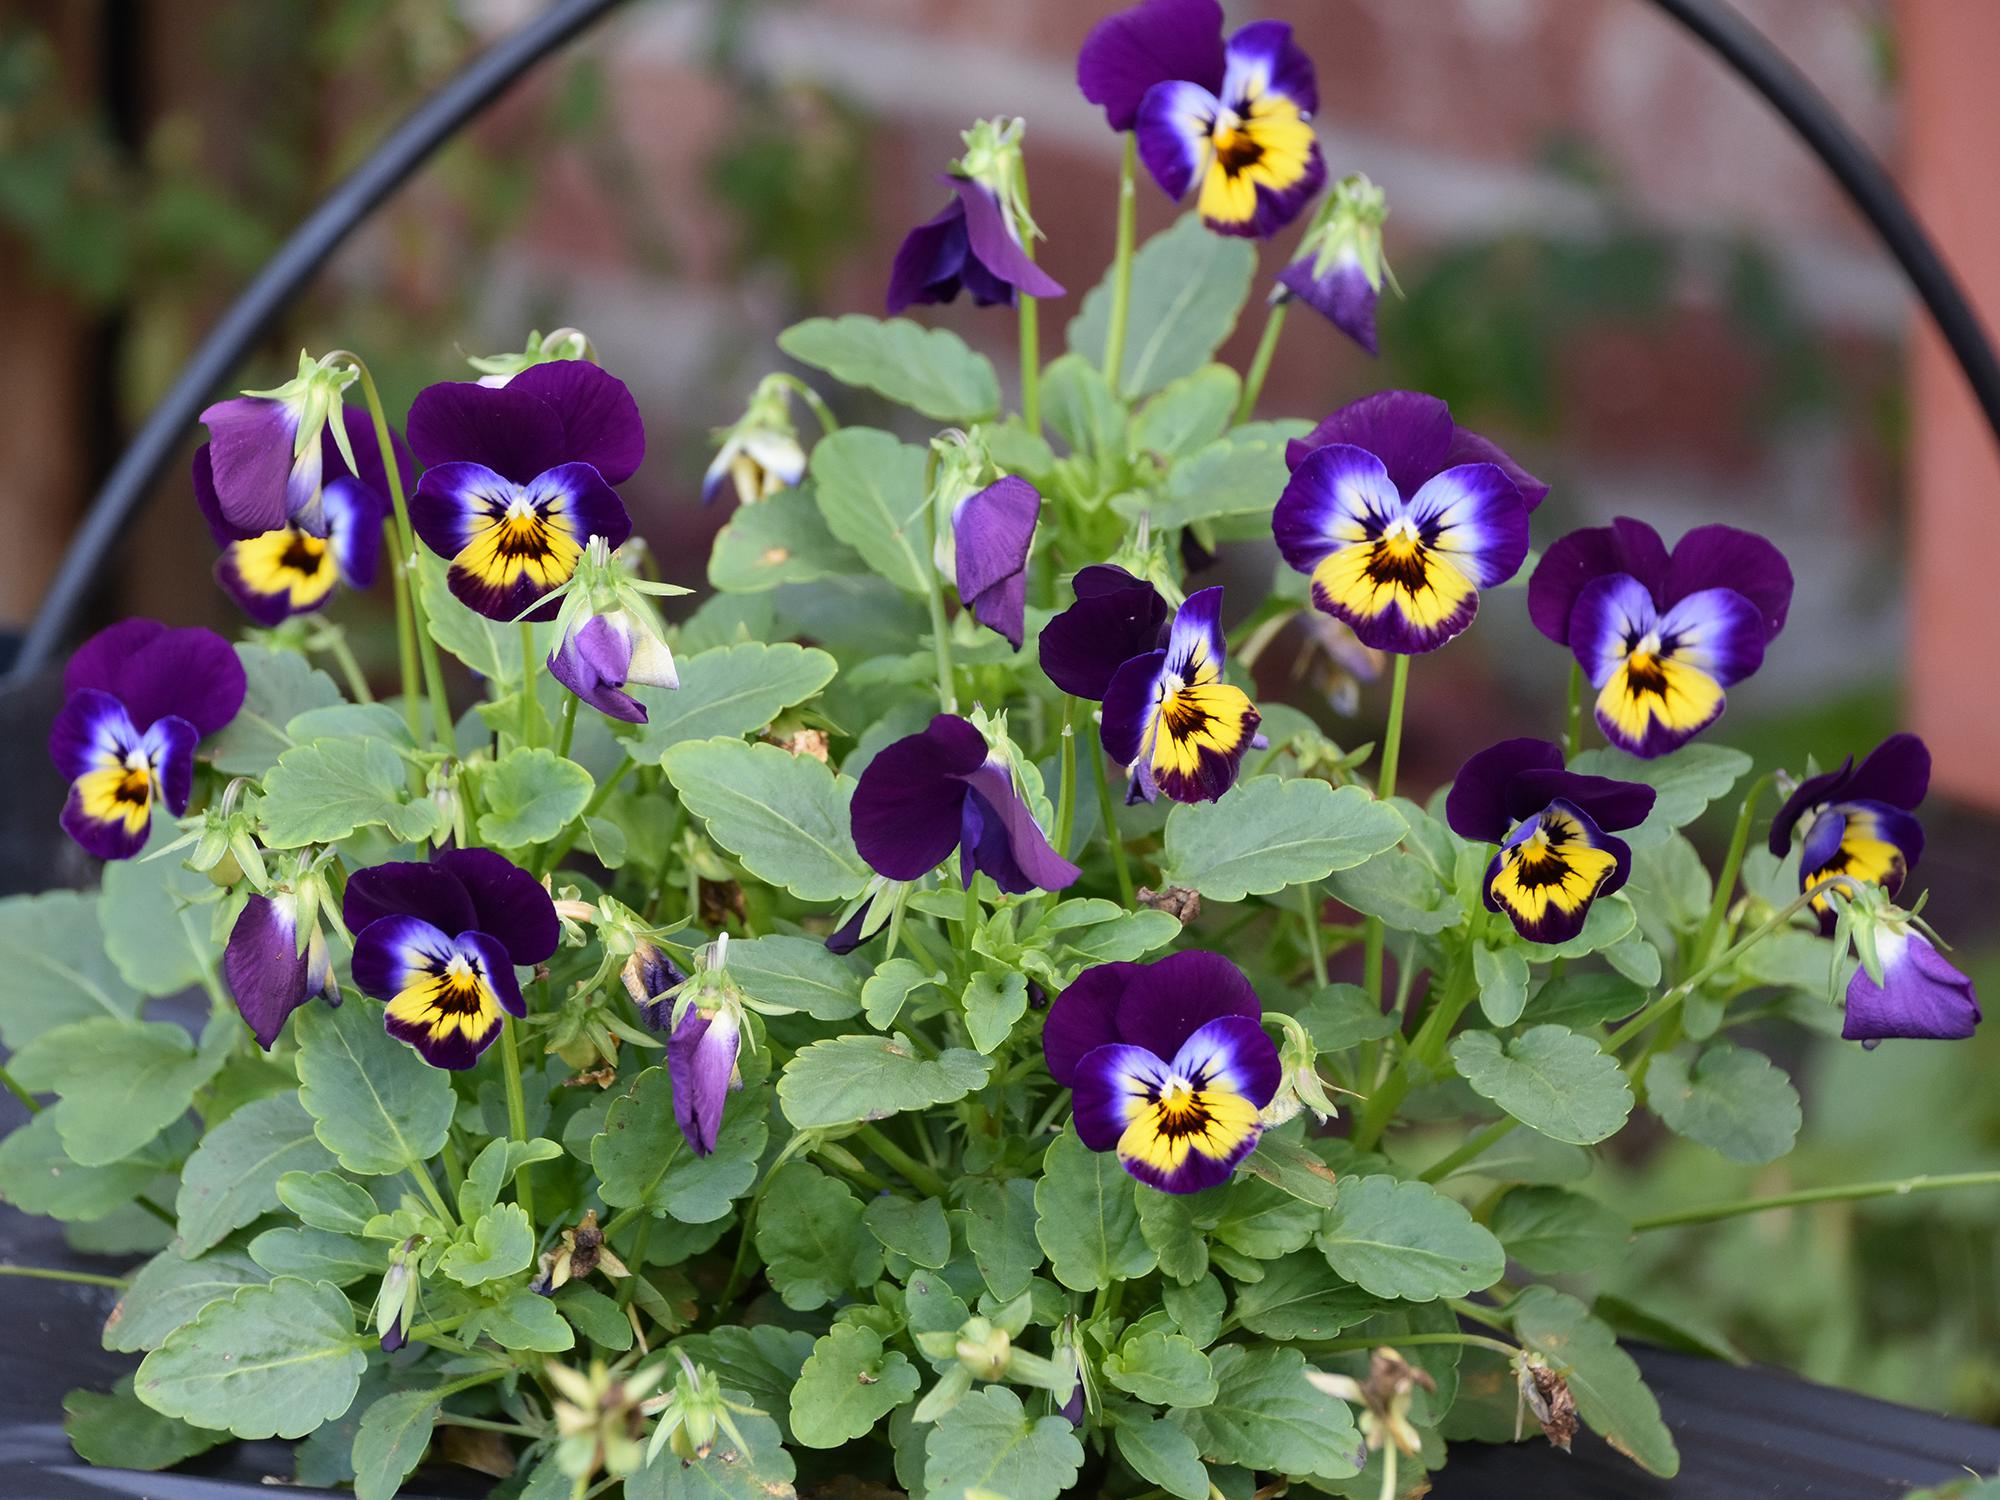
992 533
1814 791
266 973
1897 771
1262 58
508 903
354 516
453 501
649 977
1008 843
906 813
1115 618
155 672
408 888
701 1061
845 938
599 419
1584 556
205 499
1170 999
1612 804
1343 296
1153 42
250 459
1722 557
1921 995
1084 1017
1478 805
1470 448
506 429
930 263
592 662
992 242
1130 704
1411 434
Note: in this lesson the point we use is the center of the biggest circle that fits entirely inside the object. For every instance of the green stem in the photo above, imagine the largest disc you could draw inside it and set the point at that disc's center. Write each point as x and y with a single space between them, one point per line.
915 1171
406 634
1732 862
1121 264
1309 910
1031 365
940 627
1107 813
1385 788
531 705
1845 1192
811 397
27 1099
1389 1452
421 1175
437 1329
50 1273
1066 794
568 730
563 845
1573 714
334 642
517 1110
1260 366
1426 1049
1474 1148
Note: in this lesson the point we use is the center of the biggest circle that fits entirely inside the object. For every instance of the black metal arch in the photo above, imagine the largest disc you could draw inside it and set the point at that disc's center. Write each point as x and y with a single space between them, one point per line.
1712 22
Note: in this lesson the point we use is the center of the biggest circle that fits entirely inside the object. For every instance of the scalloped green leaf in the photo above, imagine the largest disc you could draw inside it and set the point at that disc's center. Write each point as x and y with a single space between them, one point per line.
784 816
1268 833
930 370
1550 1078
848 1079
1188 286
1610 1393
375 1104
729 690
531 795
989 1444
848 1385
643 1160
1732 1100
1406 1240
1086 1217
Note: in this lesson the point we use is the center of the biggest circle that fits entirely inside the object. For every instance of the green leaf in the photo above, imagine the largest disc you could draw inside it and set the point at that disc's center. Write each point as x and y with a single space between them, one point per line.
929 370
1162 1454
1549 1077
1086 1219
1187 288
1732 1100
524 1320
1266 1416
917 1231
1189 414
501 1243
731 690
52 951
931 1306
168 1291
1079 404
845 1080
394 1435
1268 834
322 792
319 1255
988 1443
1121 937
1687 781
783 815
1587 999
121 1082
1610 1395
119 1431
810 1237
326 1200
848 1385
1408 1241
377 1105
870 489
1161 1369
643 1160
779 540
757 1469
271 1361
1000 1233
1302 1297
349 721
1342 1016
1230 485
278 686
1290 1167
1553 1231
38 1178
1502 976
233 1175
993 1003
799 974
889 988
496 1165
492 648
595 1316
530 797
1401 889
154 933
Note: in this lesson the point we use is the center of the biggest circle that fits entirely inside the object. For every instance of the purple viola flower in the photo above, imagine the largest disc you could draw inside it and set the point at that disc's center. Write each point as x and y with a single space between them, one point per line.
604 654
519 478
653 979
971 244
1169 1064
1247 147
1402 568
701 1061
1554 830
992 532
1171 720
943 789
270 971
1860 820
1921 994
1338 270
1659 635
274 575
139 697
266 449
1156 41
1416 439
439 942
1115 618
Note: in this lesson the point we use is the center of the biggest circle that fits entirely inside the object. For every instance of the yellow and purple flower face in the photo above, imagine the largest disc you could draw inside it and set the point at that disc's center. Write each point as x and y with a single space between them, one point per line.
520 479
1404 573
1659 635
1169 1065
1554 828
1247 148
439 943
180 685
1859 820
1171 720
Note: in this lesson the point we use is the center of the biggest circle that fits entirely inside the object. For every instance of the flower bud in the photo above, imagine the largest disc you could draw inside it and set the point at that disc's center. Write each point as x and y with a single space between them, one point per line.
564 343
1339 269
761 454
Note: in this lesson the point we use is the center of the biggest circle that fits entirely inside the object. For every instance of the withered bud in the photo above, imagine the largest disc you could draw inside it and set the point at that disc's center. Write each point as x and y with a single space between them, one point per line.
1177 901
721 899
602 1077
1547 1395
808 742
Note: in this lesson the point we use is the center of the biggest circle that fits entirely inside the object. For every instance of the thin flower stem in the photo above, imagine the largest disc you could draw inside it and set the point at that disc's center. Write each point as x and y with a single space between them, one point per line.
1388 1490
421 1175
1121 264
811 397
1066 794
1732 863
27 1099
333 642
434 1330
406 635
531 707
940 628
1385 788
50 1273
1031 365
563 845
1107 813
1573 714
517 1110
1843 1193
1426 1049
1474 1148
406 550
1260 367
568 730
913 1170
1309 910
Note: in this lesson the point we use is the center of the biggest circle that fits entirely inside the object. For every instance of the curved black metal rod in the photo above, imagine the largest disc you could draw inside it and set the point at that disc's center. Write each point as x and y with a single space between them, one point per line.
428 126
1864 179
